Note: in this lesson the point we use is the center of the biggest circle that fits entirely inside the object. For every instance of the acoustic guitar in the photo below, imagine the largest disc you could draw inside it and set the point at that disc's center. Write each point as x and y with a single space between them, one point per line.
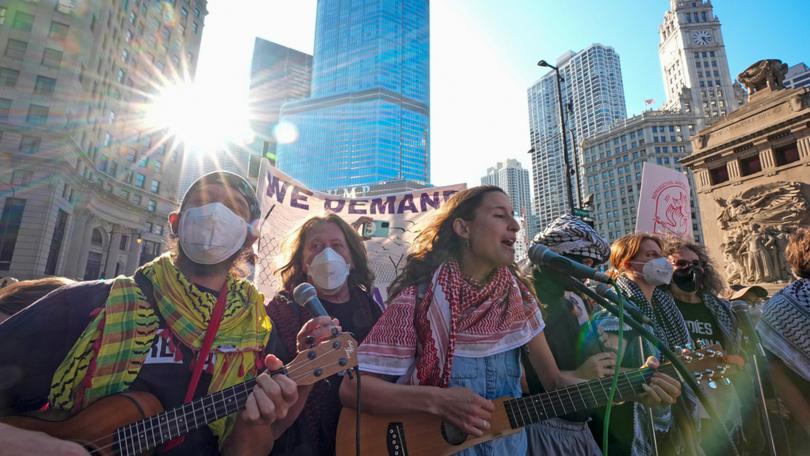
134 423
423 434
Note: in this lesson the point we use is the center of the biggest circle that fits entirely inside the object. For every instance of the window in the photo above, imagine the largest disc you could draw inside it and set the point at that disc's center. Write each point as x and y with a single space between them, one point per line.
152 205
140 179
128 36
750 165
155 186
3 12
124 55
29 144
124 241
21 177
37 115
8 77
137 199
9 228
44 86
156 165
51 58
195 28
93 269
132 17
120 75
5 108
56 242
22 21
786 154
15 49
108 139
718 175
65 6
96 238
58 30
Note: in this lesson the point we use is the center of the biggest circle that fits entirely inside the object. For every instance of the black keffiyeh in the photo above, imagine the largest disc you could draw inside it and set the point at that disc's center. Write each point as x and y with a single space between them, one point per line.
570 235
784 325
668 322
721 309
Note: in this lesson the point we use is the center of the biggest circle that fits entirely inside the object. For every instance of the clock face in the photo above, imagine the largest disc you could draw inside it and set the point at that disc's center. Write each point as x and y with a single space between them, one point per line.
702 37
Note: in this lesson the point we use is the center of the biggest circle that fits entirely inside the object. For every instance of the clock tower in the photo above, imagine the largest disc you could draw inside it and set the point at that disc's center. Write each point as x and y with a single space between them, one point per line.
694 63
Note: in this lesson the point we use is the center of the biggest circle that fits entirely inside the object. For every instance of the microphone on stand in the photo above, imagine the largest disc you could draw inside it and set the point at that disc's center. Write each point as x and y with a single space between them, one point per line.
750 337
543 256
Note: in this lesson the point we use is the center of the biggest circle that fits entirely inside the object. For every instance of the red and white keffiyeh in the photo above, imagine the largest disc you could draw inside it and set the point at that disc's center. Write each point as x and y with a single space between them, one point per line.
455 317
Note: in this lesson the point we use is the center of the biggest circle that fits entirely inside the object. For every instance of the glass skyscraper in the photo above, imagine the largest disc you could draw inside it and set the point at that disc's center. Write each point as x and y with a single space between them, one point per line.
368 119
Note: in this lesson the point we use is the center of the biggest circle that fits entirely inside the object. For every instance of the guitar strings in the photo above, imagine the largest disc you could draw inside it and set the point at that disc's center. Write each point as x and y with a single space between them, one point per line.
295 373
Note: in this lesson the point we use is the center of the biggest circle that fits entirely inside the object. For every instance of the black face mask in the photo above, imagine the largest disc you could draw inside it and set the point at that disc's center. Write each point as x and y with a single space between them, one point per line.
688 279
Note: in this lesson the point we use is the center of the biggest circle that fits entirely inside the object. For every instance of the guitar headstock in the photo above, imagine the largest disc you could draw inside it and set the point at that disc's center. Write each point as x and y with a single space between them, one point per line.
325 359
709 364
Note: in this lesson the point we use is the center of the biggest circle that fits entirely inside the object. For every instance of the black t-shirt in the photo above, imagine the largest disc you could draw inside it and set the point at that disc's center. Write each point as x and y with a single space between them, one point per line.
313 433
701 323
36 340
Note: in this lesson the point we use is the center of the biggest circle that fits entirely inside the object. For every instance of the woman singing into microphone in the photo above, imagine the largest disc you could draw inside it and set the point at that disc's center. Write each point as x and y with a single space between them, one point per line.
458 316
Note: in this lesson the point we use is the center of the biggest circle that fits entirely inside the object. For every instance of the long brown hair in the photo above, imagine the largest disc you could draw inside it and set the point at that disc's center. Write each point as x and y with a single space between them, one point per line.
292 272
713 283
437 242
625 249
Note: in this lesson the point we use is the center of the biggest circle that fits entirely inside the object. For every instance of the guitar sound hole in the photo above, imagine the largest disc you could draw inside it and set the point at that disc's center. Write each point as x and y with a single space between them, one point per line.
452 434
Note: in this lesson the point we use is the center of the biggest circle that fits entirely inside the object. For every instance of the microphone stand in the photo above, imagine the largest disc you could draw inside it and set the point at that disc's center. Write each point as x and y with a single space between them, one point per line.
686 376
754 348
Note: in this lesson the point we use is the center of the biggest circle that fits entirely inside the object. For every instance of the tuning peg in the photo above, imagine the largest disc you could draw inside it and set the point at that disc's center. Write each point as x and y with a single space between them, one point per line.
687 358
699 355
350 374
711 384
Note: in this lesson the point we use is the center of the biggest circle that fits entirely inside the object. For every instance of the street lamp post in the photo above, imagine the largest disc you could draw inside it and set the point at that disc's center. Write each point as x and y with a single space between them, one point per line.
570 189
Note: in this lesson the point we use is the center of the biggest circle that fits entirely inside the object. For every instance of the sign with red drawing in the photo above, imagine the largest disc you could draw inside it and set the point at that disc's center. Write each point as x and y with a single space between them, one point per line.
664 204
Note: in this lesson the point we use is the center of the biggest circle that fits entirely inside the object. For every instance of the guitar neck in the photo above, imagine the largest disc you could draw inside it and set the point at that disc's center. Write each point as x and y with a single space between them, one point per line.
148 434
575 398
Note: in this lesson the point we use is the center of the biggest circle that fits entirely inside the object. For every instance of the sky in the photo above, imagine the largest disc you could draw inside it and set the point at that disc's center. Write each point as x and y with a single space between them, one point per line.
484 54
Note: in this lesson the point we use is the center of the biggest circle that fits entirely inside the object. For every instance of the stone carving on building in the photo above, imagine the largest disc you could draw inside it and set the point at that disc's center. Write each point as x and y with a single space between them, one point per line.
756 224
765 73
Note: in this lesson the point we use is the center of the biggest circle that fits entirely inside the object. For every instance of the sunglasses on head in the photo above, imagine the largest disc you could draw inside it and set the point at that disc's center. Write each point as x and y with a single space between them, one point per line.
682 264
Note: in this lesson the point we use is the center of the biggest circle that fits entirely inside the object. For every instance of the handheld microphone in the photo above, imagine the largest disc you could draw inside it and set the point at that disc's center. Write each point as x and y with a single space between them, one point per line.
305 295
541 255
740 309
607 292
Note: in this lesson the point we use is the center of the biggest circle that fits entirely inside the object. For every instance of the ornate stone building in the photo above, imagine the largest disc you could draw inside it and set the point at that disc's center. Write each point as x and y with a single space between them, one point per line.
85 185
752 171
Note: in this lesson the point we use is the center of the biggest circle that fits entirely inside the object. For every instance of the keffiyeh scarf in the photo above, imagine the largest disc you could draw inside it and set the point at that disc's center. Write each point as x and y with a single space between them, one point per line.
784 325
570 235
668 323
416 341
108 355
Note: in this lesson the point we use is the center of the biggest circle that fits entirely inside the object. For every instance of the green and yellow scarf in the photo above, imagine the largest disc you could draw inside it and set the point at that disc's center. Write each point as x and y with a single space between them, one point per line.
107 357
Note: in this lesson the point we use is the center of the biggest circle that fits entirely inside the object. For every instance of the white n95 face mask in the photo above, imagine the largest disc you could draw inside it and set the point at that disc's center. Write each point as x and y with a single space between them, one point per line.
211 233
328 270
658 271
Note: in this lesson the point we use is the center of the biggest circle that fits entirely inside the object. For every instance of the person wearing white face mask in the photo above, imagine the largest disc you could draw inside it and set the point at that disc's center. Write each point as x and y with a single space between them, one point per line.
150 333
328 253
642 272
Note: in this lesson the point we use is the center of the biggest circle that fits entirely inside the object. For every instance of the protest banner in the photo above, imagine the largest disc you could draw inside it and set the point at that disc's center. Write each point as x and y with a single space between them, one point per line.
286 204
664 203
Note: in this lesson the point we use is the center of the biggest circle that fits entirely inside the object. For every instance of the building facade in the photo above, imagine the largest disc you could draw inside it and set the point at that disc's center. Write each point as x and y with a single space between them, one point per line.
751 171
797 76
613 164
278 75
368 119
85 186
513 178
694 64
593 94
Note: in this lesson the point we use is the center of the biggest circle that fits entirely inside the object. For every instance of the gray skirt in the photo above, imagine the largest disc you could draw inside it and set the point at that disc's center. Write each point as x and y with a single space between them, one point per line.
557 436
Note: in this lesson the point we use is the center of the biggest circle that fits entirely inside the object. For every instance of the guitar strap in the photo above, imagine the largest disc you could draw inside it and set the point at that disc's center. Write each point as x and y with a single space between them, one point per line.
205 350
